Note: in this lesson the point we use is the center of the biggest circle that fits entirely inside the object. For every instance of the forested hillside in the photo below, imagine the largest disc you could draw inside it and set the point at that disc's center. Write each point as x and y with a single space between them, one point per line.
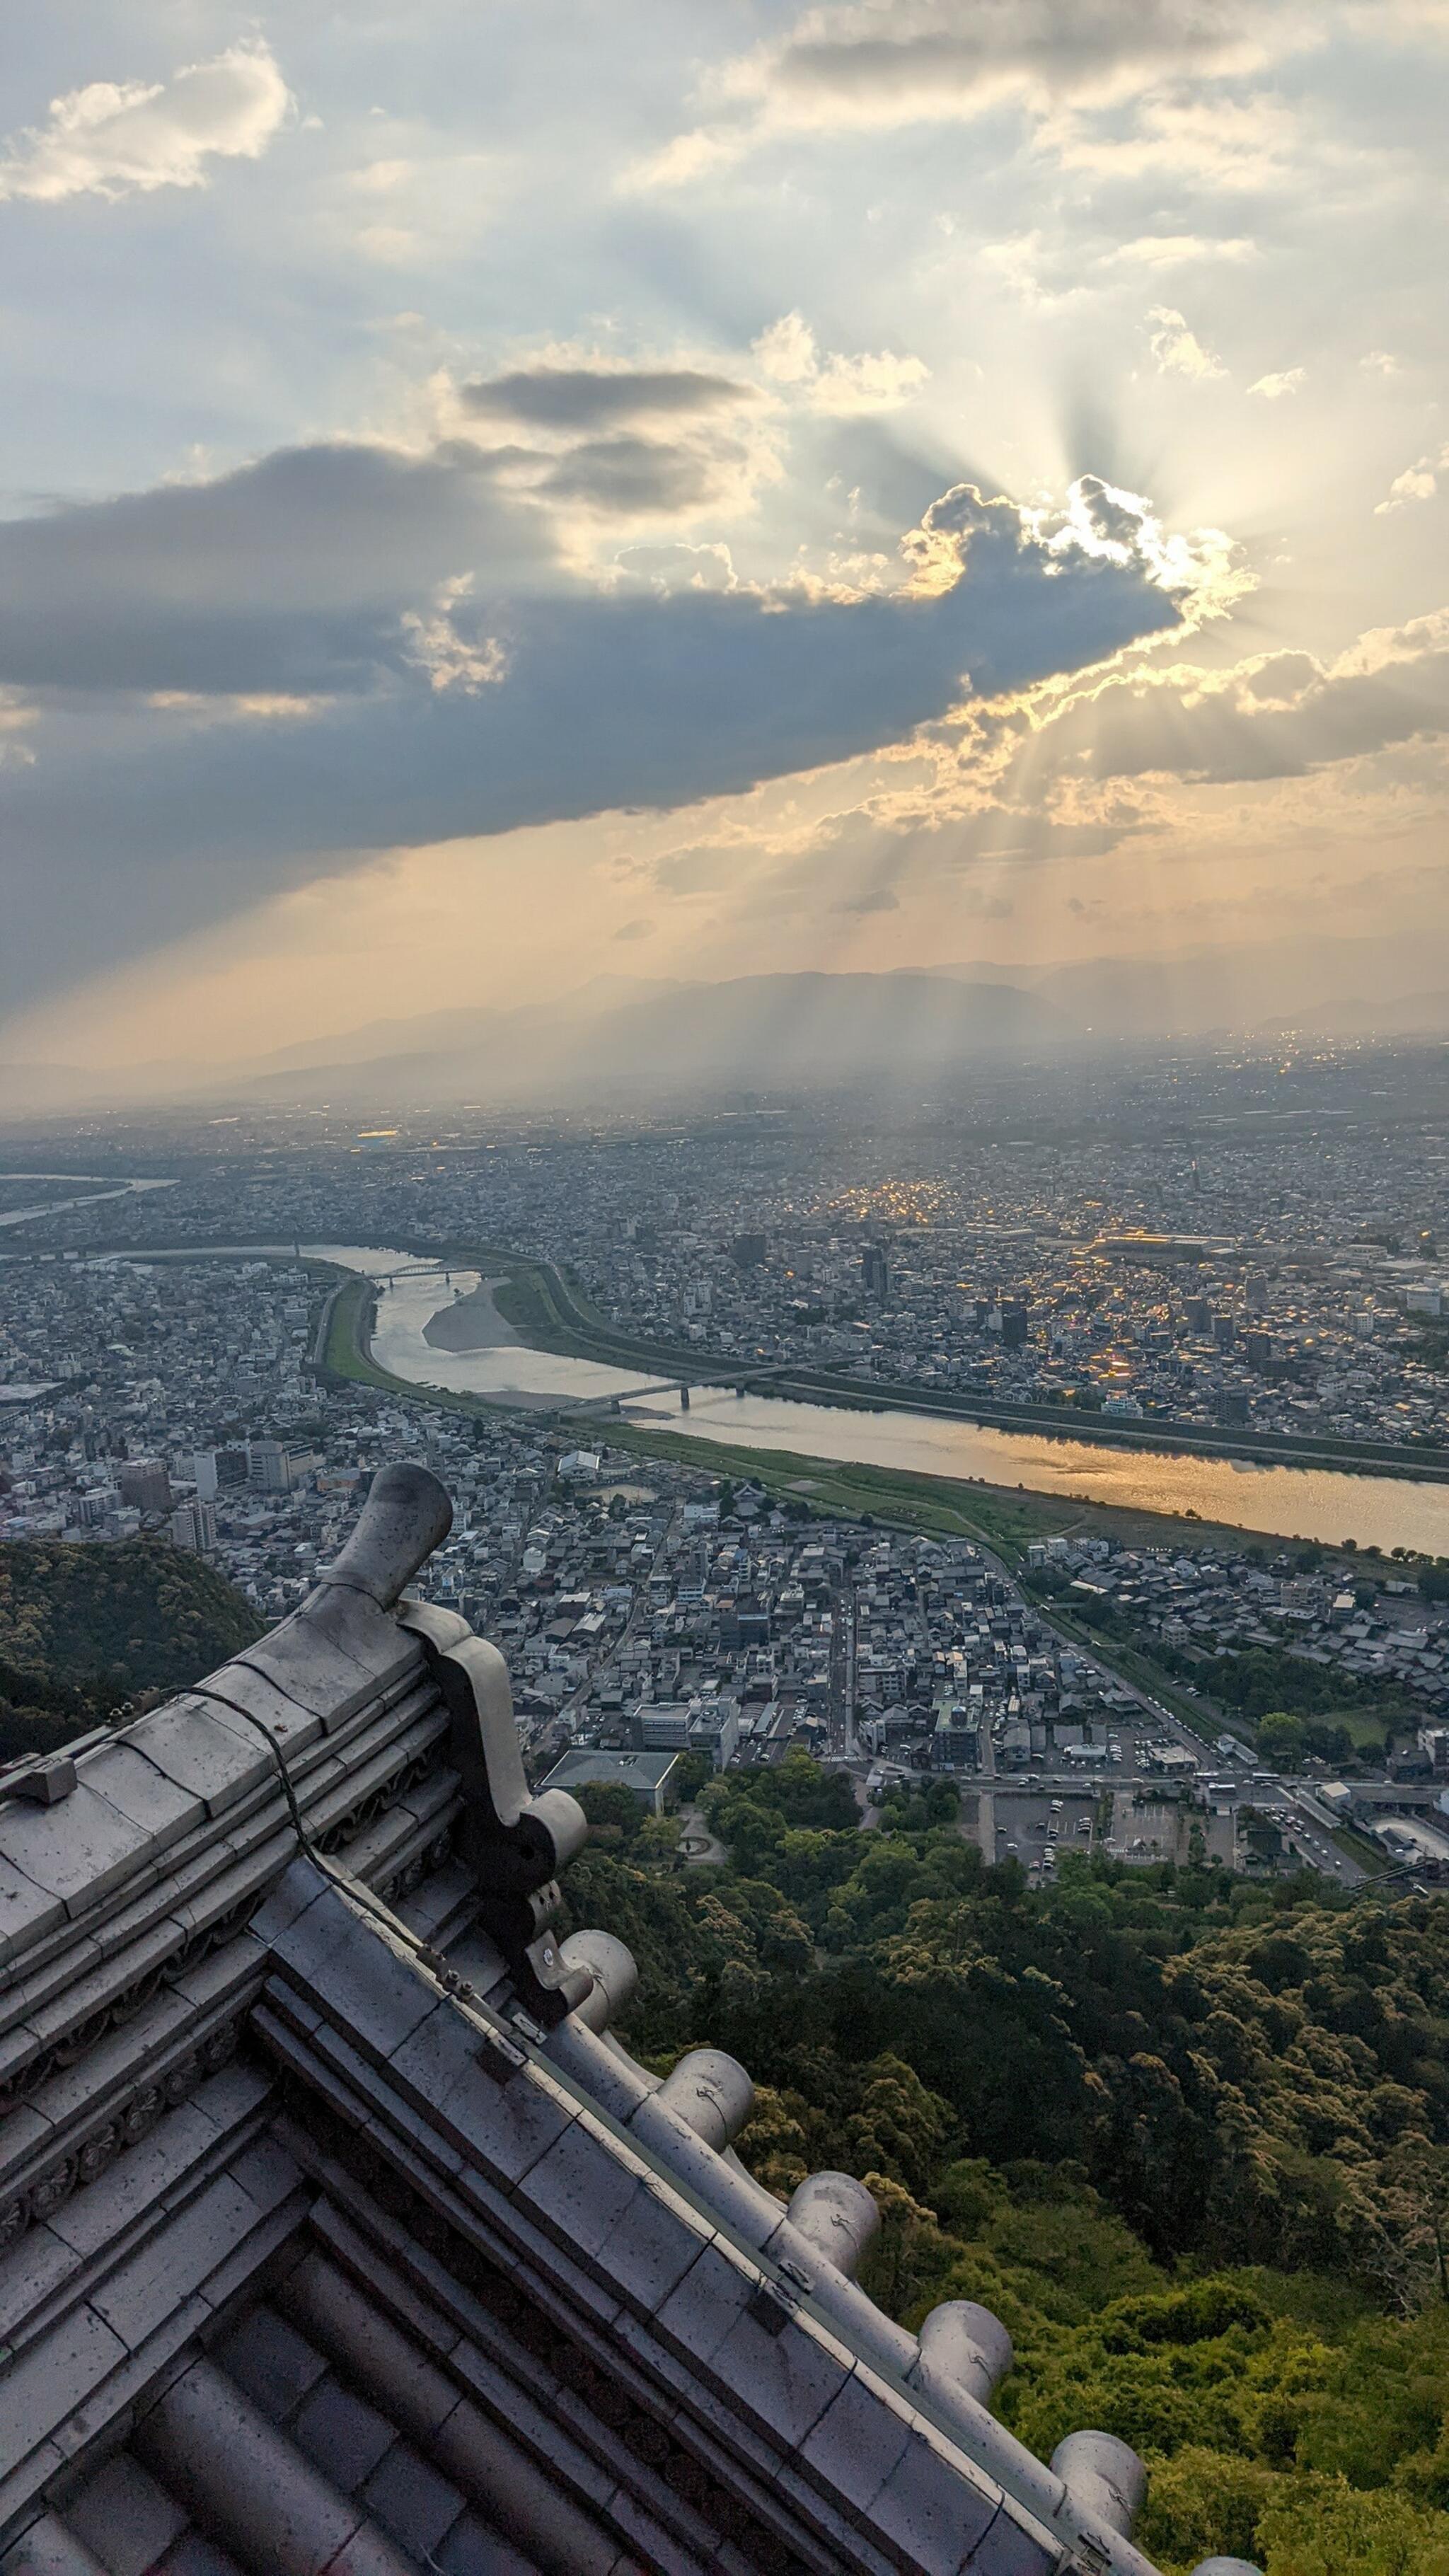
84 1628
1186 2135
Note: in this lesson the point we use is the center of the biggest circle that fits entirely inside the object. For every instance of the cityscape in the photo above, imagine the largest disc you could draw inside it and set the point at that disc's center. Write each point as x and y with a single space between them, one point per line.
724 1289
1096 1687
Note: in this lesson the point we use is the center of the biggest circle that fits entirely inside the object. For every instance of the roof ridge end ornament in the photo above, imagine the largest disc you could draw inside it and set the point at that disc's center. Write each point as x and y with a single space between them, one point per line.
514 1842
408 1512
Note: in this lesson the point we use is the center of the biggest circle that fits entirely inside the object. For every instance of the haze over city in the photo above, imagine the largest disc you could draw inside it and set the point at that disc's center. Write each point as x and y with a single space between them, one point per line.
724 1289
499 498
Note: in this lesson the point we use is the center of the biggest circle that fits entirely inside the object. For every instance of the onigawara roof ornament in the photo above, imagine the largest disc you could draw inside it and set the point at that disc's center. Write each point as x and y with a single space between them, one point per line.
339 2231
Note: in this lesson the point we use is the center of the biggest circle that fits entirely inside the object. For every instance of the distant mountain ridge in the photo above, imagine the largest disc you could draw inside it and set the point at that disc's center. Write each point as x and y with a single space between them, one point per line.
628 1036
758 1032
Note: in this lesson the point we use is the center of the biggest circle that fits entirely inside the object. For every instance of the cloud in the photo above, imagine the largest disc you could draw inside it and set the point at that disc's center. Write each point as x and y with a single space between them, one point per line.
124 138
707 567
594 397
634 477
1273 388
788 355
878 899
635 930
1178 250
883 63
1177 351
1418 482
452 660
1274 716
291 574
467 682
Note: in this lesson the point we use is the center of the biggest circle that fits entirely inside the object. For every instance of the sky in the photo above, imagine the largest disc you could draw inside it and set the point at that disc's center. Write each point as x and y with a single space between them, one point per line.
504 492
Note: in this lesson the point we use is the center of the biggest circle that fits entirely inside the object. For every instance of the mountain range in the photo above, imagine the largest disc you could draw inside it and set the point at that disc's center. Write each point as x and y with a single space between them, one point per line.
629 1038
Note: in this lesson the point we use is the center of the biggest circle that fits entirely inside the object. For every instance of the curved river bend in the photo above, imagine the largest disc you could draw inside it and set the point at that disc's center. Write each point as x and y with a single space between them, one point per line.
1290 1502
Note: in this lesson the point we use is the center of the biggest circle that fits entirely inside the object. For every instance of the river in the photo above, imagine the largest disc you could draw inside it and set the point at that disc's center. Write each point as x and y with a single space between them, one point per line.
86 1198
1290 1502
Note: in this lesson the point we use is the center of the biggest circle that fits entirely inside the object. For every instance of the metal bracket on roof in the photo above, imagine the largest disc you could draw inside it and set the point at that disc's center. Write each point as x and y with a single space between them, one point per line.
797 2273
500 2058
772 2307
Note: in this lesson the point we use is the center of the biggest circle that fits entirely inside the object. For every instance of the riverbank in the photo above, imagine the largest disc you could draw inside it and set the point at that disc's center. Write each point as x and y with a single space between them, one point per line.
1004 1518
549 1313
472 1323
553 1315
1155 1490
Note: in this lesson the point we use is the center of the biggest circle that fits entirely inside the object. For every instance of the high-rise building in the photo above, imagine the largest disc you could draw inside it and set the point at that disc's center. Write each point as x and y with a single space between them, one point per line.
875 1274
1015 1324
267 1466
193 1525
144 1483
204 1474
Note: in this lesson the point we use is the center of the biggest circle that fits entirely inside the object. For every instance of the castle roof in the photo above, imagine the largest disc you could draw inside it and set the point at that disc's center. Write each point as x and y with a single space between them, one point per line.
340 2232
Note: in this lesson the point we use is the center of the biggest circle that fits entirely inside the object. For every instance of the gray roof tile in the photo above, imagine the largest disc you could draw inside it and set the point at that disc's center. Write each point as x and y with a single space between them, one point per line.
853 2446
929 2510
505 2128
78 1850
140 2294
411 2501
27 1912
368 1986
270 2362
785 2380
315 1674
471 2549
30 2273
136 2182
193 2556
712 2295
237 1686
266 2173
601 2205
141 1791
199 1746
1009 2549
53 2377
341 2434
125 2517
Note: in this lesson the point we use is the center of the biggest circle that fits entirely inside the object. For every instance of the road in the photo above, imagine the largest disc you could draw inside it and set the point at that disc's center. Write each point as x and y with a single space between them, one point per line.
1283 1800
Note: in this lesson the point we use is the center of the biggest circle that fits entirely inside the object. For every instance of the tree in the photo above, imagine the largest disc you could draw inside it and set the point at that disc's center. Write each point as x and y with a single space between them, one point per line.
614 1813
1282 1739
691 1773
1324 2527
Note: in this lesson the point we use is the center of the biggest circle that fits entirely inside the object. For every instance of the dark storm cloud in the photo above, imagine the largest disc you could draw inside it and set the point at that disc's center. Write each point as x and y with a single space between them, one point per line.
581 398
288 574
592 702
